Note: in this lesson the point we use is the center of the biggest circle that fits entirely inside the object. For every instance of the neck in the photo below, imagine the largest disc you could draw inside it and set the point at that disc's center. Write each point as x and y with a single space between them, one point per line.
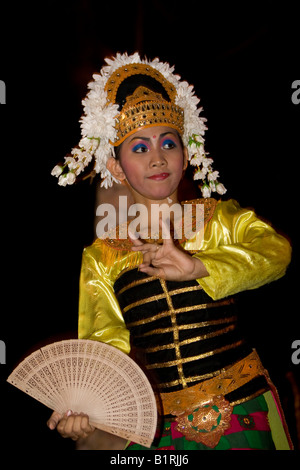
150 211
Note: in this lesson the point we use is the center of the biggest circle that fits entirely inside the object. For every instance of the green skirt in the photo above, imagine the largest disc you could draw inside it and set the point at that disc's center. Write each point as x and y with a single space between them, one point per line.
256 424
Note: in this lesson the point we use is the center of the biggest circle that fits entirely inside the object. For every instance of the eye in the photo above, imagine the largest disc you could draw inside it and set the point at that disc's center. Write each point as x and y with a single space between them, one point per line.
140 148
168 144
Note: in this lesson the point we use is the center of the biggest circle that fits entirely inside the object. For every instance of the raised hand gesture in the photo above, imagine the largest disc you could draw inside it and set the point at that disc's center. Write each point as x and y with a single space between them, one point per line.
166 261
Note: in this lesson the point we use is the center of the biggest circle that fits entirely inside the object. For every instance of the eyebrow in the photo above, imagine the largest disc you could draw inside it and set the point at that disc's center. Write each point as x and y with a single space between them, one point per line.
148 138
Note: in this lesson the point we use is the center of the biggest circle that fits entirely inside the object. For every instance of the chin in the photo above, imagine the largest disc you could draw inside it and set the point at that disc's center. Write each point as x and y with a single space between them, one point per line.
160 193
159 196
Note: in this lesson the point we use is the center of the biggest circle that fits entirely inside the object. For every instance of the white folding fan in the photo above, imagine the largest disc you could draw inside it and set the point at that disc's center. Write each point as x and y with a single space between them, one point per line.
93 378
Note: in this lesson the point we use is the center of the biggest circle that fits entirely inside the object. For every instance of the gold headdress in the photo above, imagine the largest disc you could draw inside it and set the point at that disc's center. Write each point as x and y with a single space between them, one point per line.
122 100
145 107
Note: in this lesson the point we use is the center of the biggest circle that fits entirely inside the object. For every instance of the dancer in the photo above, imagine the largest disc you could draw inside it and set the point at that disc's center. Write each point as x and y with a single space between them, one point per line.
163 288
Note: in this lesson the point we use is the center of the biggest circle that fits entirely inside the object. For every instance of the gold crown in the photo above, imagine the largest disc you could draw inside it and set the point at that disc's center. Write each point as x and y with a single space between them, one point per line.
144 108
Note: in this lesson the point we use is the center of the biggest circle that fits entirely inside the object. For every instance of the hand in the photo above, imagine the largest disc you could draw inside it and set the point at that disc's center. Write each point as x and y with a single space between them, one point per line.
77 427
72 425
166 261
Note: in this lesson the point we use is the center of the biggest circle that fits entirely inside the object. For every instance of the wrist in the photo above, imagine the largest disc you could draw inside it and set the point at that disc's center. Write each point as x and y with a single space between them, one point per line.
199 269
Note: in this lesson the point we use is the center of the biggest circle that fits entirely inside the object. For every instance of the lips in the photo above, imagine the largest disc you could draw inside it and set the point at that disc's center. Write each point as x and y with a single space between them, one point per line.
159 177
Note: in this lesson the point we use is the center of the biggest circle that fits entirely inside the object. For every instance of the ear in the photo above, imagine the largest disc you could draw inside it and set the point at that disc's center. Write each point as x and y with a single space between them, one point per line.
115 169
185 158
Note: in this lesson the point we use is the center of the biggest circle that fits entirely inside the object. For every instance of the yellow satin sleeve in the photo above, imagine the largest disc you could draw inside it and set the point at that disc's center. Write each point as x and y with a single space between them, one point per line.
240 251
100 317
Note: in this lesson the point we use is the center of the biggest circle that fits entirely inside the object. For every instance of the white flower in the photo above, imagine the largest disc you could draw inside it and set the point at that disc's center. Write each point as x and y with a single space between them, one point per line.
200 174
57 170
198 138
196 160
212 185
221 188
90 144
193 148
207 162
79 168
108 179
206 191
213 176
99 120
62 180
69 178
71 162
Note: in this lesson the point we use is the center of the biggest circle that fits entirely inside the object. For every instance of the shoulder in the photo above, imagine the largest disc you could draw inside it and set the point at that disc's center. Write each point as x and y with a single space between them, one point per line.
213 208
94 249
208 205
215 213
109 256
229 208
102 246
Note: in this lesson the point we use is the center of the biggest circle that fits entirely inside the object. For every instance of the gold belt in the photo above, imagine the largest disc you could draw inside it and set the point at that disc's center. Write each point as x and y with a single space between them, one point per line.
202 412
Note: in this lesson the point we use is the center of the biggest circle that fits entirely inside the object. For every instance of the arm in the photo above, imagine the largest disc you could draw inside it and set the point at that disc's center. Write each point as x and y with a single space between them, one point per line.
100 317
237 252
240 252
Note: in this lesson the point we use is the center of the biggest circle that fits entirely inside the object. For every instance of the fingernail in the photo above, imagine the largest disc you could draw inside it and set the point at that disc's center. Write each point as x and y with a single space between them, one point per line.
131 235
50 424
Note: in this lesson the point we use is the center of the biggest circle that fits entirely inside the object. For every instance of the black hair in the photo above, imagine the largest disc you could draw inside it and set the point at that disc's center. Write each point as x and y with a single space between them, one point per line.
130 84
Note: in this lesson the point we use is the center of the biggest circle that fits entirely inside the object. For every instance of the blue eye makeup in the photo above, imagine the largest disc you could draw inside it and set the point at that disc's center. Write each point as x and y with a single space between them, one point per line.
139 148
168 143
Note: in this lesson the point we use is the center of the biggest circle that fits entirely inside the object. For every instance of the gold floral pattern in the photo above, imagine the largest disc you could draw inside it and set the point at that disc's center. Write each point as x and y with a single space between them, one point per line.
206 423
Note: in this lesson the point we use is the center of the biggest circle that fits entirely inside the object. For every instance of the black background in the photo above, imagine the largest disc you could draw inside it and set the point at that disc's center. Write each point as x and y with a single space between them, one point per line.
241 57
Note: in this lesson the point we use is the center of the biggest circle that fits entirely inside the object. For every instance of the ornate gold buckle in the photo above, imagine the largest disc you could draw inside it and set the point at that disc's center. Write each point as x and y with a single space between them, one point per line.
207 422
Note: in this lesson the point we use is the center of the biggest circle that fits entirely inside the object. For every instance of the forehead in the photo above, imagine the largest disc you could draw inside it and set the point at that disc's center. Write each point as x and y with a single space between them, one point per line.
151 132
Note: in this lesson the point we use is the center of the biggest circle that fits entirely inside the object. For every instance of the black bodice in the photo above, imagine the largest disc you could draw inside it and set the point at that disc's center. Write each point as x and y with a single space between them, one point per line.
184 336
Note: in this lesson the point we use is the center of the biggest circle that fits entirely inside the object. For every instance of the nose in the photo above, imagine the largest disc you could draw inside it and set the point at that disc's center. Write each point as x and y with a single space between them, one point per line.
158 159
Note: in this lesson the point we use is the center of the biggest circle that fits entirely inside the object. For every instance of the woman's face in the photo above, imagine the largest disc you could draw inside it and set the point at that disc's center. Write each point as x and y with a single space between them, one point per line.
153 161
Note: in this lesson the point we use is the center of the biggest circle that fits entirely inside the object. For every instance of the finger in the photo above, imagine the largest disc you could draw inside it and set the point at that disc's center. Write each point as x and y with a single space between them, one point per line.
86 427
139 245
152 271
142 247
149 256
81 425
76 428
149 246
146 248
166 234
61 427
57 420
150 250
65 426
135 240
54 420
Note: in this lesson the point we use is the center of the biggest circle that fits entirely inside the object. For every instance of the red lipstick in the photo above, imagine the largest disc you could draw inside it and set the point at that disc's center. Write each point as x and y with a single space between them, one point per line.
159 177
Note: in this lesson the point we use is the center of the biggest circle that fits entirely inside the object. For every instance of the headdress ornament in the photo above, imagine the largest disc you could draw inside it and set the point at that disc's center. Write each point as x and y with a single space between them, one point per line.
107 123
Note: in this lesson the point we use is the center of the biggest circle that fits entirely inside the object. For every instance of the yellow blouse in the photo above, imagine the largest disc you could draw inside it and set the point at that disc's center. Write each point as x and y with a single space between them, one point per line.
238 249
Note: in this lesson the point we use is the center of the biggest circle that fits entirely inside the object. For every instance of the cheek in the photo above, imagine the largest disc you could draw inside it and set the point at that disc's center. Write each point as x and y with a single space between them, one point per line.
132 172
179 166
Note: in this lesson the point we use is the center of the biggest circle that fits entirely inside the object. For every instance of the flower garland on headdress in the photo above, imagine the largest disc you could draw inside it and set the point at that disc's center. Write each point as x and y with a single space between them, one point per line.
98 128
